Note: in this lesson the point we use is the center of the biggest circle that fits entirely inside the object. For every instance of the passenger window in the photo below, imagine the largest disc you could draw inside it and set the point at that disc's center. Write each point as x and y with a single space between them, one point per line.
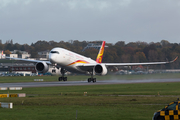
171 107
179 106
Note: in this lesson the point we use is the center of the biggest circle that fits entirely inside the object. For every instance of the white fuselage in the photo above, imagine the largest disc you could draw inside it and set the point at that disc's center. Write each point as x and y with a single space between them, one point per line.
68 59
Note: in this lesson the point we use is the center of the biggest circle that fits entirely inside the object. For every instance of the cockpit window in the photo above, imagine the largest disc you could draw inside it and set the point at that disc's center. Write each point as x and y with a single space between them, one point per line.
55 52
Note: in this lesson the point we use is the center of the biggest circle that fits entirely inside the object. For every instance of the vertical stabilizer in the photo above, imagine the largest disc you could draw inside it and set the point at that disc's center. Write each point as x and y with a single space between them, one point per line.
100 54
2 55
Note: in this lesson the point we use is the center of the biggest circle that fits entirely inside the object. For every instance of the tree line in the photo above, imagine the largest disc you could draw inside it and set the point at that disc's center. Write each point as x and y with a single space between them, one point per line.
118 52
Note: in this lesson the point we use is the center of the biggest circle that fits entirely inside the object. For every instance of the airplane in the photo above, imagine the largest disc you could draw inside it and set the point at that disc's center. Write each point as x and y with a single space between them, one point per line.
73 62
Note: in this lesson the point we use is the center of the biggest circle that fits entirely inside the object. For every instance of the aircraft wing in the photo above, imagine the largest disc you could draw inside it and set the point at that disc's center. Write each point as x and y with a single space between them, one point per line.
128 64
28 60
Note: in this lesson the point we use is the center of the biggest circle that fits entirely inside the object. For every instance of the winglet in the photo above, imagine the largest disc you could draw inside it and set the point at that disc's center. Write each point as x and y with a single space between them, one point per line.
100 54
174 60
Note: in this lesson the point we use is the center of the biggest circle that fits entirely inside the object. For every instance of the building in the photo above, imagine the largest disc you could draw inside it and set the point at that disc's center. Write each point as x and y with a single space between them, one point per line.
24 56
22 69
18 51
13 55
93 45
44 54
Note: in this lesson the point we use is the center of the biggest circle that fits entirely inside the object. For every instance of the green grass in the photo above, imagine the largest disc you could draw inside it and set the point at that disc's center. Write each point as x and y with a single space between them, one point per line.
103 102
65 107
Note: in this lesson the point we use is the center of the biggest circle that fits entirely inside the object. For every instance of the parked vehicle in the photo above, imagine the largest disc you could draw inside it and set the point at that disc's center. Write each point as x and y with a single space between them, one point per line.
170 112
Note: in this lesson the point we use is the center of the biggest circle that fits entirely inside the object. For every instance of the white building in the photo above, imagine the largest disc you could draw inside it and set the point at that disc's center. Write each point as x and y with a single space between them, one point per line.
24 56
16 51
13 55
44 54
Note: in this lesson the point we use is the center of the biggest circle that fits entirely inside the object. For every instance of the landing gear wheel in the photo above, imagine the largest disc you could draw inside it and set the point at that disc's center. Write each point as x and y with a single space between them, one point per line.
92 79
62 78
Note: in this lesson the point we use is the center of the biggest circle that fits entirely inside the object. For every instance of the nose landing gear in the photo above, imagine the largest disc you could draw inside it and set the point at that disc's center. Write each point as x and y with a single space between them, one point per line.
62 78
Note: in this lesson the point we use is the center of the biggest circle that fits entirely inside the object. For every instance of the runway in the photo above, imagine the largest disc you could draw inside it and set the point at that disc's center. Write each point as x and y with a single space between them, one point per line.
76 83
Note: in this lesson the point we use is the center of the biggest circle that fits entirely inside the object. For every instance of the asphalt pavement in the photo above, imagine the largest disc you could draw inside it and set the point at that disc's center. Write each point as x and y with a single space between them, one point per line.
76 83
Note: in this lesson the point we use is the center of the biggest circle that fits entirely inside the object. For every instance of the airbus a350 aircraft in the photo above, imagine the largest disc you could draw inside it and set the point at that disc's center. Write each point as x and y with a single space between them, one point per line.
73 62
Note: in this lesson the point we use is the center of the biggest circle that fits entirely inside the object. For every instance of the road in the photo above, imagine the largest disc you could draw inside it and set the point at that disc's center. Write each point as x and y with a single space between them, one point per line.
75 83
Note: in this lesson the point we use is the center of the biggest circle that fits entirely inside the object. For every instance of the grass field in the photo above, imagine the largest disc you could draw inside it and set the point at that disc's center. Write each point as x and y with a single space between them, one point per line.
103 102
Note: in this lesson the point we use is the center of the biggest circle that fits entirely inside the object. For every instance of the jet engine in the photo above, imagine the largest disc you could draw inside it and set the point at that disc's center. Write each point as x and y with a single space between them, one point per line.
42 67
100 69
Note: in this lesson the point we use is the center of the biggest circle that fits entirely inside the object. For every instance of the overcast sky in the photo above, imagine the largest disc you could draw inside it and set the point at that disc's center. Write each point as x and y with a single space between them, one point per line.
27 21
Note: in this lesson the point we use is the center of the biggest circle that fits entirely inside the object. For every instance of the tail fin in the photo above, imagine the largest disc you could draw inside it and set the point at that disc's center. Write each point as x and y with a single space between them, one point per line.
2 55
100 54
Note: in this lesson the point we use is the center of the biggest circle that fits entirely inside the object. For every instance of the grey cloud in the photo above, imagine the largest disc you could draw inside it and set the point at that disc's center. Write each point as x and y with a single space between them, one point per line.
110 20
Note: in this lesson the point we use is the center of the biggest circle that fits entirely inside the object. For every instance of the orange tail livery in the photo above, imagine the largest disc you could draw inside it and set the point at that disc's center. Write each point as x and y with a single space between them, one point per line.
100 54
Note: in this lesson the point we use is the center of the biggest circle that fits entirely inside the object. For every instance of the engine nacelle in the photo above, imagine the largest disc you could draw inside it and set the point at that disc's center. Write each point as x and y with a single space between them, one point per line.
42 67
100 69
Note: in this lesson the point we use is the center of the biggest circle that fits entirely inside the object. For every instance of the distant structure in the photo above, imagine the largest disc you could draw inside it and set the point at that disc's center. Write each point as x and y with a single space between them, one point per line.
18 51
17 67
44 54
93 45
23 69
22 54
1 57
13 55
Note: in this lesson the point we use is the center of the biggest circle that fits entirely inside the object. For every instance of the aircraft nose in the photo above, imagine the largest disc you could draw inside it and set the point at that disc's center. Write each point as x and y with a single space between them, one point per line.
52 58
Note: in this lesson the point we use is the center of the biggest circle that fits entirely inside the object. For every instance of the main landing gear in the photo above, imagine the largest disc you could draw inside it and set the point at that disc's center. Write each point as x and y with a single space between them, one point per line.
91 79
62 78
